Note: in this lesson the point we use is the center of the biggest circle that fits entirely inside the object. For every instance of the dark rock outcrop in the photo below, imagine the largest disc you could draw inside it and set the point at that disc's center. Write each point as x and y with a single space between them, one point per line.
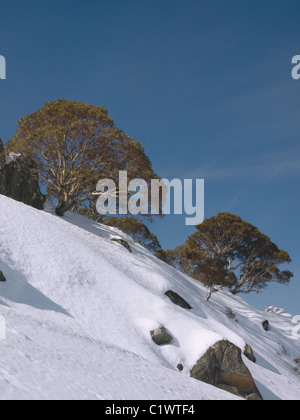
266 325
222 366
18 181
2 277
177 300
2 156
160 336
229 313
123 243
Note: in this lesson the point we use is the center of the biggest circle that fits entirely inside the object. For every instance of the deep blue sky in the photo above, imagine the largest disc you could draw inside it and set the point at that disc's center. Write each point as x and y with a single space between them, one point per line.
205 85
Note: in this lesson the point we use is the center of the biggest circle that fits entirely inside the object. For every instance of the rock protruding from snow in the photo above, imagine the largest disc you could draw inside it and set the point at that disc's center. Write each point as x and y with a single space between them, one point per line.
223 366
161 336
266 325
230 313
2 277
123 243
178 300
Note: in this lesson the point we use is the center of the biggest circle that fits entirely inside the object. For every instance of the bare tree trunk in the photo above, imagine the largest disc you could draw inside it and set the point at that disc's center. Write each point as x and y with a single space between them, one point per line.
209 295
61 209
63 203
213 290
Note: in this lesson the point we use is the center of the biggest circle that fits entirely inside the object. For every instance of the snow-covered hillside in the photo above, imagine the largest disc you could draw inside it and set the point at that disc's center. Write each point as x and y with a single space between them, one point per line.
79 309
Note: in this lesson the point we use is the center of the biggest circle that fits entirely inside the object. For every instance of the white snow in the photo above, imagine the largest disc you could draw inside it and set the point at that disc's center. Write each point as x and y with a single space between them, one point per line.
12 157
278 311
79 309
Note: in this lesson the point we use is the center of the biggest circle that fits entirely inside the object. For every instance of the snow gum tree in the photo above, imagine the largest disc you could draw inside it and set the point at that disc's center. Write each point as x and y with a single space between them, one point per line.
74 145
227 251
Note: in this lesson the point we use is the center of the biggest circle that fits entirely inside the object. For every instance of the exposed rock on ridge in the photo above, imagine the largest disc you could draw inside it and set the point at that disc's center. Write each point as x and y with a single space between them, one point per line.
18 180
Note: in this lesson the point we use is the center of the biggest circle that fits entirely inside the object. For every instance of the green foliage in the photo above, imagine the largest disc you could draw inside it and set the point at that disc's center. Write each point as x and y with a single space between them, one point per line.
227 251
74 145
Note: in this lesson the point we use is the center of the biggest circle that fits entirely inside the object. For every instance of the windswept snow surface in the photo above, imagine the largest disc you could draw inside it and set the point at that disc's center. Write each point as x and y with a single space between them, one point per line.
79 309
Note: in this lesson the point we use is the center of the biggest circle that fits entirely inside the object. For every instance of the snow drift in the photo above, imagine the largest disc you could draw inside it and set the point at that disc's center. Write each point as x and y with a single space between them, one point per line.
79 309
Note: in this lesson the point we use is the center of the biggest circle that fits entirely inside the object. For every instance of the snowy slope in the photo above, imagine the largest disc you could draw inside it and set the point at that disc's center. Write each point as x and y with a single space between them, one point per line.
79 309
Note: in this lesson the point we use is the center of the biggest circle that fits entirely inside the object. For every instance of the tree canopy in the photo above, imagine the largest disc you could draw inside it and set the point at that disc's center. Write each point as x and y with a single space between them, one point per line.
227 251
75 145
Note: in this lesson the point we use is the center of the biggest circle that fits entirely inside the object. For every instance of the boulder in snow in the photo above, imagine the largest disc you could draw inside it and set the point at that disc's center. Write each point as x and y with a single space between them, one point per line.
266 325
2 277
161 336
178 300
229 313
223 366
